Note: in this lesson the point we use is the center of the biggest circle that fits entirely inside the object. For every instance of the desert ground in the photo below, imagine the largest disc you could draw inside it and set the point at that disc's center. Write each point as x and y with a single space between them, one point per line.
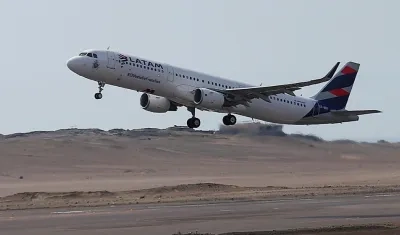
91 167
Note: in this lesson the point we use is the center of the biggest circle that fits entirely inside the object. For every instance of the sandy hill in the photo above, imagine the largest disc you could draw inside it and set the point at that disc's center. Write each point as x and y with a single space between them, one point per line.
243 155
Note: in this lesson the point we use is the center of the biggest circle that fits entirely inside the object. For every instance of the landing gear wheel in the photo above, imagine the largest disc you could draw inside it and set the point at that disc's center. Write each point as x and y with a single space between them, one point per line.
229 120
193 122
98 96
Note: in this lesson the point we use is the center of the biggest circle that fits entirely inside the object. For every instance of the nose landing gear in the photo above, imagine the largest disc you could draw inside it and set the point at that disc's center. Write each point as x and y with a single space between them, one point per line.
98 95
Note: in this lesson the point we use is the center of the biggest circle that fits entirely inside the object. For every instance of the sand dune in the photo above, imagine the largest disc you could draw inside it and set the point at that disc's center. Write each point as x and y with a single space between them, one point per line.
202 192
124 160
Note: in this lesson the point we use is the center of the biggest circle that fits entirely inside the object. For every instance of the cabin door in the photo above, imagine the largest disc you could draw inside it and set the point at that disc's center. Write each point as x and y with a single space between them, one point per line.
170 75
111 60
316 109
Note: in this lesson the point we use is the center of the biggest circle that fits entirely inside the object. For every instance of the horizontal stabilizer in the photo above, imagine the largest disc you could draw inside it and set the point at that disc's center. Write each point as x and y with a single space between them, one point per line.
354 112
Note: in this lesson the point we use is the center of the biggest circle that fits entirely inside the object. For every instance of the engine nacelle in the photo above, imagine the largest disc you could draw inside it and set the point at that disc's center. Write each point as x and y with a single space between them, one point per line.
208 99
156 104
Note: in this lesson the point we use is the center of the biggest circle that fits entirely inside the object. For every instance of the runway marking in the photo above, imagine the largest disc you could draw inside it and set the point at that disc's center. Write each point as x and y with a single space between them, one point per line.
381 195
179 206
153 209
385 195
67 212
226 210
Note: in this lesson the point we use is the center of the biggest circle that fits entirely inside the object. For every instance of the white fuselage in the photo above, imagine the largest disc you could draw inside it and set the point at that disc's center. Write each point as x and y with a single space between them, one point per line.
177 84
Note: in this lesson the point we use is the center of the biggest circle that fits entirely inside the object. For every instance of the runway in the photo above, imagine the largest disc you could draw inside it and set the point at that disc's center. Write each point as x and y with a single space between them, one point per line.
221 217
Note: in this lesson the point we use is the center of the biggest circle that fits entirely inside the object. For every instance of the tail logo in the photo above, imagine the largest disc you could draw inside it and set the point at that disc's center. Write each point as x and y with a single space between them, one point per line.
348 70
342 91
339 92
336 93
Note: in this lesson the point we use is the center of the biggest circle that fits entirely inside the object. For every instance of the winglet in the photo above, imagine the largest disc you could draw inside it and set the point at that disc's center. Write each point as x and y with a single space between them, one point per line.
332 71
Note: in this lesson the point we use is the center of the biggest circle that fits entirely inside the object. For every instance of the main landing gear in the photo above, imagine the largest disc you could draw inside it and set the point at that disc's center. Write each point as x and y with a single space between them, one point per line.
193 122
229 120
98 95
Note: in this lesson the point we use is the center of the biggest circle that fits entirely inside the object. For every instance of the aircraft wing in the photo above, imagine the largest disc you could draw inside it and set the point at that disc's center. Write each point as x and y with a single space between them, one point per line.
245 95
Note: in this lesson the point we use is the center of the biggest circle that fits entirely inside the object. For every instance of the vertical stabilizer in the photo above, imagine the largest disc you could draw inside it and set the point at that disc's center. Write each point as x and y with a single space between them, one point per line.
336 93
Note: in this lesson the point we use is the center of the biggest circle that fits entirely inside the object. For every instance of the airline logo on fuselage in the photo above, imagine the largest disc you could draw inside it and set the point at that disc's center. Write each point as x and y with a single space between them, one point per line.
139 61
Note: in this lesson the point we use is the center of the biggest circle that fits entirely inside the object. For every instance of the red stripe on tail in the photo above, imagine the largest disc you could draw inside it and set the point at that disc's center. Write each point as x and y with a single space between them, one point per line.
348 70
339 92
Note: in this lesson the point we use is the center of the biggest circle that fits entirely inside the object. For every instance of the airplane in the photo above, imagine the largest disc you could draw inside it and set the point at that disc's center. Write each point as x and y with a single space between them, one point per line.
165 87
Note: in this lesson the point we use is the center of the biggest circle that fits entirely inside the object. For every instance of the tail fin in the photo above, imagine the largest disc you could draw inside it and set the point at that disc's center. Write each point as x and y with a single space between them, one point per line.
336 93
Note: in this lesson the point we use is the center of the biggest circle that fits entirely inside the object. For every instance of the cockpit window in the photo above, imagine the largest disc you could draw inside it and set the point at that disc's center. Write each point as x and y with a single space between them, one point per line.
88 54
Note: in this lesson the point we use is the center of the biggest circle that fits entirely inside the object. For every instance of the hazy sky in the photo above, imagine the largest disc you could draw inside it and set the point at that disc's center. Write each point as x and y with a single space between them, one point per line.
269 42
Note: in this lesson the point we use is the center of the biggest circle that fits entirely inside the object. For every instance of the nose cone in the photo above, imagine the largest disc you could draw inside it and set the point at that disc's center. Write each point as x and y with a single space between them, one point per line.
77 65
74 65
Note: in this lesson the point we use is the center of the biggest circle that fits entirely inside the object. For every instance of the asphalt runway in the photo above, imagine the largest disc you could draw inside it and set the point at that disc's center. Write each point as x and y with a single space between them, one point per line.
204 217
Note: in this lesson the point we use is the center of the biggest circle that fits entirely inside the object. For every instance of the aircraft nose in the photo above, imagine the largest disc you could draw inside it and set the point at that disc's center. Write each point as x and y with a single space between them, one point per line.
73 64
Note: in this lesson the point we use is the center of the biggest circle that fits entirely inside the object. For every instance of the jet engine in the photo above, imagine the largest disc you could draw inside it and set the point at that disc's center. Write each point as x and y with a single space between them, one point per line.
208 99
156 104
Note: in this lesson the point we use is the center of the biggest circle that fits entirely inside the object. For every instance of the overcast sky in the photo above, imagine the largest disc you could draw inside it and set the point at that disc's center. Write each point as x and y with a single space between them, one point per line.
268 42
